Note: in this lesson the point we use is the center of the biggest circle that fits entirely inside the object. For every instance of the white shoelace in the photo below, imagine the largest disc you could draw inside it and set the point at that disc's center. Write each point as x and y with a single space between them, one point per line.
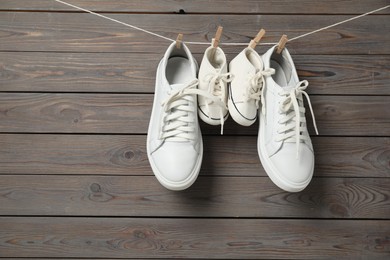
255 88
292 107
178 121
217 88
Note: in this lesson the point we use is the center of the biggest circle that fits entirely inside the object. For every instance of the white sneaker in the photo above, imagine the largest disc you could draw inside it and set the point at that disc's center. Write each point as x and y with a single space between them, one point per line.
214 78
174 141
245 88
284 144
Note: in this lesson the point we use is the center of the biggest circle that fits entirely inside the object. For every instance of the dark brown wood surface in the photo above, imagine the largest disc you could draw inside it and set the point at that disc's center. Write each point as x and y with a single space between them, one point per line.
143 196
134 73
226 238
126 155
129 113
76 32
201 6
75 98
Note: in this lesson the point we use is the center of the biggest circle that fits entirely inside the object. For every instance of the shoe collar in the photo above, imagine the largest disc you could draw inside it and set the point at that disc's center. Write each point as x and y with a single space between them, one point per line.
219 57
244 62
289 67
173 51
267 57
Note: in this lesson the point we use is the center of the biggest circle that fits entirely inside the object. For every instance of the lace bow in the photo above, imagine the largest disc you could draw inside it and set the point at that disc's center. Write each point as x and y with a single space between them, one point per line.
255 89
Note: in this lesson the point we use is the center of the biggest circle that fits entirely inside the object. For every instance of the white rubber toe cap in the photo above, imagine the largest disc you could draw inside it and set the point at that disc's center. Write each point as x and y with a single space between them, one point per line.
178 164
294 172
243 113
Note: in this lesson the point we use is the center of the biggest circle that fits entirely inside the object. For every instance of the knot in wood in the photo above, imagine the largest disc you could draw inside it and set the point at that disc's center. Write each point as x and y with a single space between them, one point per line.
139 234
95 187
129 155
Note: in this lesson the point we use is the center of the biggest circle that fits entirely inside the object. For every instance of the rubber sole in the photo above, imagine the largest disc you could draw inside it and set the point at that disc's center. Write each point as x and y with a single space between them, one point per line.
209 120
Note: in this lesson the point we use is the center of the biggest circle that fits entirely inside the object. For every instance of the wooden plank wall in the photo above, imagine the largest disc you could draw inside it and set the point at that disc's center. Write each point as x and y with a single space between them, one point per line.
75 98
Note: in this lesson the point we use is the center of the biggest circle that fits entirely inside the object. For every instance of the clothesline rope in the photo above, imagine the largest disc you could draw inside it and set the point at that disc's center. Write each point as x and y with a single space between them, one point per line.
222 43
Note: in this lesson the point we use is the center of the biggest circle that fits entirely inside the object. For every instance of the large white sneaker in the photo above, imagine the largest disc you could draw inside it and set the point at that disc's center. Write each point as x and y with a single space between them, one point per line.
214 79
174 141
245 89
284 145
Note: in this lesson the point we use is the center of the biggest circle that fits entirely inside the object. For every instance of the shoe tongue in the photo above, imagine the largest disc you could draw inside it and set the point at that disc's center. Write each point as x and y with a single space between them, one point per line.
177 86
177 140
220 61
285 88
251 61
249 66
288 88
214 61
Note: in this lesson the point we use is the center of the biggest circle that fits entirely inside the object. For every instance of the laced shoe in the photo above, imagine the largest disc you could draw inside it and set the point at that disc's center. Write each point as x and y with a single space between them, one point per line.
245 88
284 144
214 78
174 141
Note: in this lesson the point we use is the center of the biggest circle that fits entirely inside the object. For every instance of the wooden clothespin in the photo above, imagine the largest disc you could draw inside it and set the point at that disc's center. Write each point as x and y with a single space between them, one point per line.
215 41
218 34
179 40
282 42
257 39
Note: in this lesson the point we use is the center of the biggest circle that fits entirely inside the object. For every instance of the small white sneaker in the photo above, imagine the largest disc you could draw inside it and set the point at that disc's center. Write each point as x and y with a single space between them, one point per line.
245 88
284 144
214 78
174 141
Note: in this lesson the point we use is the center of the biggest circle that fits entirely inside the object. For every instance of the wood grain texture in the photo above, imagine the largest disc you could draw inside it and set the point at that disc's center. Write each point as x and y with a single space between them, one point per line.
135 73
200 6
200 238
126 155
345 74
74 154
74 113
78 72
73 32
362 114
129 113
364 157
138 196
75 98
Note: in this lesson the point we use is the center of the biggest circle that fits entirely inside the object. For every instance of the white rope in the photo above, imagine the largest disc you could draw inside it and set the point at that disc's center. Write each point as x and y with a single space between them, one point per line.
230 43
335 24
117 21
222 43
